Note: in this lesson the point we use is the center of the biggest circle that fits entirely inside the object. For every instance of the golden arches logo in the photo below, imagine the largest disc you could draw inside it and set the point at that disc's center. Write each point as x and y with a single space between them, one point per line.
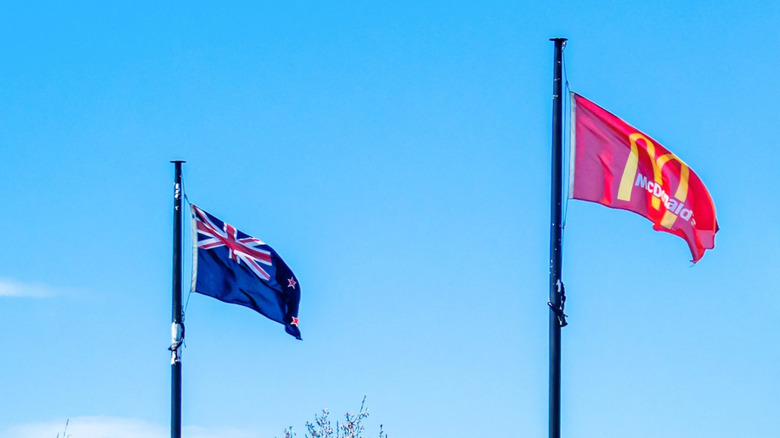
630 175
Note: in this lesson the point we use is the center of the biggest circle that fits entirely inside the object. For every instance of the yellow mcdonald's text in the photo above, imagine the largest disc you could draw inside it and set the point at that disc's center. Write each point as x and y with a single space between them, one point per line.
631 178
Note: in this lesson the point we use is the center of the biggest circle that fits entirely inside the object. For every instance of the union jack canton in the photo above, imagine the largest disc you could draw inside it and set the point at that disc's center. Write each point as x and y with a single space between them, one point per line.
234 267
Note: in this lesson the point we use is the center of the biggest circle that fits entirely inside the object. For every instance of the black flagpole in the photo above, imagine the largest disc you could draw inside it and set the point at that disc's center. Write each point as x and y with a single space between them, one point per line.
177 328
557 319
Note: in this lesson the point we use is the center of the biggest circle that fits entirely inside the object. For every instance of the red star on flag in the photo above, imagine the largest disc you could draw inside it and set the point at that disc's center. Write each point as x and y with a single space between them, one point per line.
294 321
291 282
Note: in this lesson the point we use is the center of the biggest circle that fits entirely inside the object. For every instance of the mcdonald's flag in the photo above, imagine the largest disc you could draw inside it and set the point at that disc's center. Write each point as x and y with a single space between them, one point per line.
616 165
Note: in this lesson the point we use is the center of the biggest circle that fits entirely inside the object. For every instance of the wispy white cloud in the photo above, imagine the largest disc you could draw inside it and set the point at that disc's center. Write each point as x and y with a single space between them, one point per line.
13 288
113 427
89 427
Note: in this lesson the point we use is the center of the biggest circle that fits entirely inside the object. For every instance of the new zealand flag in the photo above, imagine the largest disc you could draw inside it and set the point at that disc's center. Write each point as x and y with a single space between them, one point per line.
234 267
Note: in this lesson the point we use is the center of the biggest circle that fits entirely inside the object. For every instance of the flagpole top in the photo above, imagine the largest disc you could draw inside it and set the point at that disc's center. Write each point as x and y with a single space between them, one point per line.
178 161
559 42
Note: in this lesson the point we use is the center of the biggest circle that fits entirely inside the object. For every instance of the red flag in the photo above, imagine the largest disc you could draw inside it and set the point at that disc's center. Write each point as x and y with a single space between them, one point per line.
616 165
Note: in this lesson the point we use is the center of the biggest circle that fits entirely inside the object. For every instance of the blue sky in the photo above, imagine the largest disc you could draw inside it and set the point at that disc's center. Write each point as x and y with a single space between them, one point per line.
397 157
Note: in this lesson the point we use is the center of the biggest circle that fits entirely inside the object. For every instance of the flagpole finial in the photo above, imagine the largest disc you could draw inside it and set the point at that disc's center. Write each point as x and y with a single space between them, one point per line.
559 42
178 161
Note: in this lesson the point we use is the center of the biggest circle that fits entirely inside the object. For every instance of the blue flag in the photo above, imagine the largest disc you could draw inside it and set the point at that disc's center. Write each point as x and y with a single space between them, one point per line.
234 267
